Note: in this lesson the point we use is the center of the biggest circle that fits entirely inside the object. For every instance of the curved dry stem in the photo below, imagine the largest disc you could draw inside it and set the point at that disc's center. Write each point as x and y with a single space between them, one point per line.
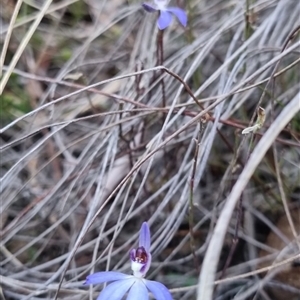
209 266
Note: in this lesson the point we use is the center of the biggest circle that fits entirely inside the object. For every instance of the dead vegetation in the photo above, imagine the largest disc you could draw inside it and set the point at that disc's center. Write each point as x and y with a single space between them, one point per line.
93 144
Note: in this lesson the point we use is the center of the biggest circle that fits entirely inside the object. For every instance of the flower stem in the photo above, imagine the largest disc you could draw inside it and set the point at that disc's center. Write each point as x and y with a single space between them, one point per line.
160 62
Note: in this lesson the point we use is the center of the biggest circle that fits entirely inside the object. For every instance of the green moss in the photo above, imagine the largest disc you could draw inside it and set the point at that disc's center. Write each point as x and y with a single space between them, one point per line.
76 12
14 101
295 123
63 55
37 40
25 10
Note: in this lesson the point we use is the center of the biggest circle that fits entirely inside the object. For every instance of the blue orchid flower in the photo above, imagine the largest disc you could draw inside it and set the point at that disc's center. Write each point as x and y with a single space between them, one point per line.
135 285
165 13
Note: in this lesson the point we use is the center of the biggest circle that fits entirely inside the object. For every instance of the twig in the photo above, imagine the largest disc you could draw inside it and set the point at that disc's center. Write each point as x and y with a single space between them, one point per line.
160 62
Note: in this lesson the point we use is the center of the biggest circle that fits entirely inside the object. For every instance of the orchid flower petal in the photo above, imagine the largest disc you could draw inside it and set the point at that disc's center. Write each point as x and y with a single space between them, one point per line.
116 290
132 254
148 264
164 20
102 277
180 14
161 4
149 7
159 291
138 291
145 239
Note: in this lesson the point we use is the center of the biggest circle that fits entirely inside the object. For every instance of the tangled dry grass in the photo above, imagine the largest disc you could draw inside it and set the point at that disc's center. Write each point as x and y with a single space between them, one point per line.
97 138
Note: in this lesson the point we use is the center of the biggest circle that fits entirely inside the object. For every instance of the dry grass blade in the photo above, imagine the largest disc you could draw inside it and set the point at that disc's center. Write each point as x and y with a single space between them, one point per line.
23 44
8 35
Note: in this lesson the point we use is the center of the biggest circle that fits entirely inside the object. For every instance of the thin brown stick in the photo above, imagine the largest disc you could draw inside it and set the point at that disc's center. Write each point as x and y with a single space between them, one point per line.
160 60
